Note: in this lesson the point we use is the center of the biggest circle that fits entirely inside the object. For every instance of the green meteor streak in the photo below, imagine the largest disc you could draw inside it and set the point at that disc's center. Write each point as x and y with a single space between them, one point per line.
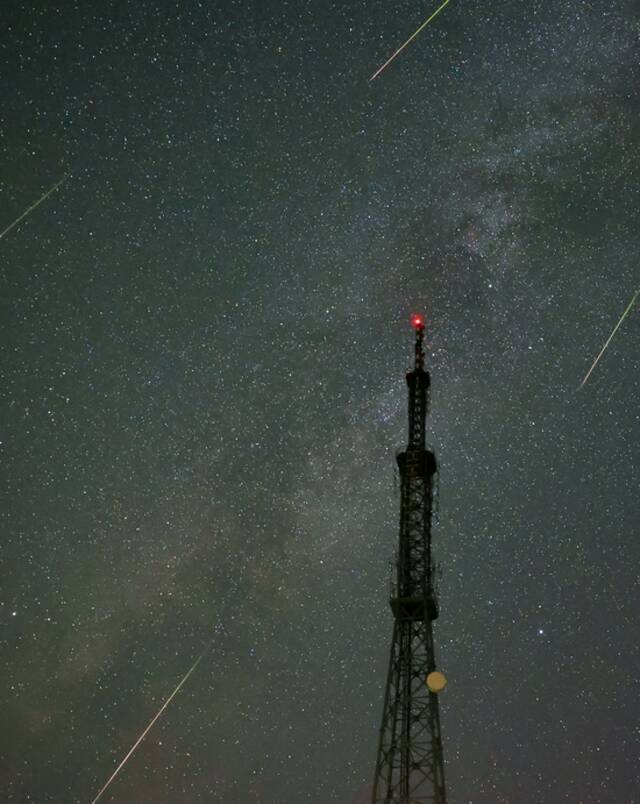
409 40
32 207
615 329
146 731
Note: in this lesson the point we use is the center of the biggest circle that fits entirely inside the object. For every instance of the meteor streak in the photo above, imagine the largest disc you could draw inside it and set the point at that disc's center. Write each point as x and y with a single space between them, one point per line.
409 40
32 207
615 329
146 731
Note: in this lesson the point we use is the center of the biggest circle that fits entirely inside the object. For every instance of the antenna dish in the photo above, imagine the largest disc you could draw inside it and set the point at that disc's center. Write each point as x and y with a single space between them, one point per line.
436 681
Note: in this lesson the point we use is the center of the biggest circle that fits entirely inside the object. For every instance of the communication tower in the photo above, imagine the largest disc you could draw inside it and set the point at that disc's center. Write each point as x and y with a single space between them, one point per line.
410 766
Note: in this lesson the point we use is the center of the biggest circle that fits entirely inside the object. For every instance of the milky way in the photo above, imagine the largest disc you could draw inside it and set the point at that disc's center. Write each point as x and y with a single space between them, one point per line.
205 334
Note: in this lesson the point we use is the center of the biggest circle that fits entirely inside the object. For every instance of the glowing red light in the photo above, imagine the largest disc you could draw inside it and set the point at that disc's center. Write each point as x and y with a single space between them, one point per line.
417 321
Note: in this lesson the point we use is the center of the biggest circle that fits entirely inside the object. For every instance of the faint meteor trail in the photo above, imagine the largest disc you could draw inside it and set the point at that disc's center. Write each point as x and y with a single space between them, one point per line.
32 207
608 341
146 731
409 40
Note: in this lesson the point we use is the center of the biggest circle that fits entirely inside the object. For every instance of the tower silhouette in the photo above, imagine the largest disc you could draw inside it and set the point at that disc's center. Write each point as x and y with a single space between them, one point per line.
410 766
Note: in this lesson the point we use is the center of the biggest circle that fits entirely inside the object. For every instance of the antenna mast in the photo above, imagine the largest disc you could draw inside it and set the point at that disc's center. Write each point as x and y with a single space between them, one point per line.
410 765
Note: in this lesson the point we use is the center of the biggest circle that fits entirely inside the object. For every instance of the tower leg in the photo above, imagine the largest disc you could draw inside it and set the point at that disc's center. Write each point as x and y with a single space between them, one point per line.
410 768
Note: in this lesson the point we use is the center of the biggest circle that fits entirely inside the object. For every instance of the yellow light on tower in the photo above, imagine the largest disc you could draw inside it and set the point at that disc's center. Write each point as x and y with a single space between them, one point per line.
436 681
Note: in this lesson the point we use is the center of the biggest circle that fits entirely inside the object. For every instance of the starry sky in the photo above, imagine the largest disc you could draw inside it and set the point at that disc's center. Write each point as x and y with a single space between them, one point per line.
204 339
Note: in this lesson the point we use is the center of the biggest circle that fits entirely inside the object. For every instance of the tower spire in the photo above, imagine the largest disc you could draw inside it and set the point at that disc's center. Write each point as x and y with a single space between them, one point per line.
417 322
410 766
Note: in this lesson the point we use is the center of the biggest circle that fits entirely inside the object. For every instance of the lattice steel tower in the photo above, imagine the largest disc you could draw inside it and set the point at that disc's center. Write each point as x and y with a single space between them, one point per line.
410 768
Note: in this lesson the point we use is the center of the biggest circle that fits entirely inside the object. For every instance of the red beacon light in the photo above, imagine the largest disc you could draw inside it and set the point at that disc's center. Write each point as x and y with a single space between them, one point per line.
417 321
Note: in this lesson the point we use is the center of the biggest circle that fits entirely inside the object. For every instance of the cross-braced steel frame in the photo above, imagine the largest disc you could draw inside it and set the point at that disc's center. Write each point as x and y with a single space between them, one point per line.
410 767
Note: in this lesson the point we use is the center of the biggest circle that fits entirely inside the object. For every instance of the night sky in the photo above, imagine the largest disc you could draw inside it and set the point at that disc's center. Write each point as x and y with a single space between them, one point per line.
205 331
